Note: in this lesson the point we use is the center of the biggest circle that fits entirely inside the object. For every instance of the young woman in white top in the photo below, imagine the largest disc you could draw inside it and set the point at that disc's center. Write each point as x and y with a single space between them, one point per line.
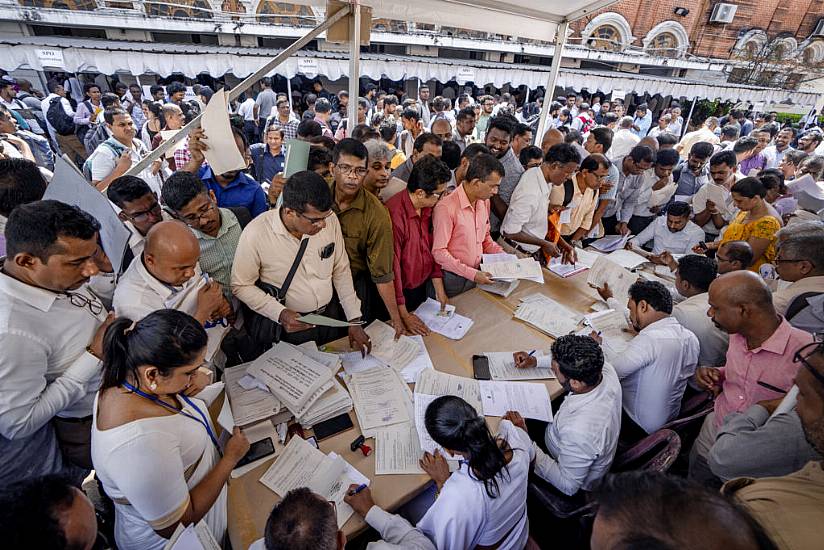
482 505
153 447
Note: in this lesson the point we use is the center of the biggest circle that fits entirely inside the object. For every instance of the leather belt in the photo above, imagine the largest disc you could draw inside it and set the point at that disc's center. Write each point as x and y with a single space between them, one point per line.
319 311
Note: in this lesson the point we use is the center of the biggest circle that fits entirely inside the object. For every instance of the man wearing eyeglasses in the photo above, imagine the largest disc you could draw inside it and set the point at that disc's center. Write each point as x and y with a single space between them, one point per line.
51 340
367 232
759 363
791 508
139 209
305 216
799 261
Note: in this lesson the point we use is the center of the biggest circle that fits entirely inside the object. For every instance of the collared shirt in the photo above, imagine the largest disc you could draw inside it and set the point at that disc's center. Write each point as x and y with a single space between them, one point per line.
325 129
265 103
513 170
315 278
680 242
462 141
774 156
45 369
367 231
626 185
689 183
218 253
528 207
584 203
622 143
642 201
461 234
290 128
654 370
634 196
726 207
691 138
643 124
784 297
712 341
104 159
582 437
241 191
139 293
44 106
789 508
755 162
771 362
247 109
414 263
269 164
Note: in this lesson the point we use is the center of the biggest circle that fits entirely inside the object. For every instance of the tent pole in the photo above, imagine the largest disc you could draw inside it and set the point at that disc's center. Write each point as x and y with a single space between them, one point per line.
354 63
289 95
686 124
247 83
560 40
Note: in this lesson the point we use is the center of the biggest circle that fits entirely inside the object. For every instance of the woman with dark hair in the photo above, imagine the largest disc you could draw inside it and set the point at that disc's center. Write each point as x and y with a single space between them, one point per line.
481 505
153 447
154 122
756 222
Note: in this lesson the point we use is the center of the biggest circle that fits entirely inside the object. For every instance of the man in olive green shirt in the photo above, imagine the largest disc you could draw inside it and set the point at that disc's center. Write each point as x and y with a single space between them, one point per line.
367 232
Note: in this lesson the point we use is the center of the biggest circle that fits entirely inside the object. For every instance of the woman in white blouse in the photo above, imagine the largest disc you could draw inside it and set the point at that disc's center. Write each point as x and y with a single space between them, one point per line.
153 447
482 505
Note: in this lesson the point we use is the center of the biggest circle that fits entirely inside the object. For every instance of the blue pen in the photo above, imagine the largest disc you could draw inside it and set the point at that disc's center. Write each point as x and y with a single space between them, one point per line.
358 489
531 353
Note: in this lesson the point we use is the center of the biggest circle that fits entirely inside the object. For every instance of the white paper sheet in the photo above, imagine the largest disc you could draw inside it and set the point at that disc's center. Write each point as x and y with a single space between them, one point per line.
193 537
499 257
398 450
70 187
379 398
223 155
522 268
448 323
354 362
437 383
619 279
611 242
427 444
547 315
627 258
528 398
395 353
501 288
502 367
248 406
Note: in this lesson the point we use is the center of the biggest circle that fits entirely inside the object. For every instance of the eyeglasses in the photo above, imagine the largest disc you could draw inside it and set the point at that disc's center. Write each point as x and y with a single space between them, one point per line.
347 170
143 216
202 212
314 221
436 195
782 260
801 357
80 300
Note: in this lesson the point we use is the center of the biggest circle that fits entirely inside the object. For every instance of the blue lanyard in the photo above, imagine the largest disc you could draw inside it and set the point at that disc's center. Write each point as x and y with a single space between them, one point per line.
202 420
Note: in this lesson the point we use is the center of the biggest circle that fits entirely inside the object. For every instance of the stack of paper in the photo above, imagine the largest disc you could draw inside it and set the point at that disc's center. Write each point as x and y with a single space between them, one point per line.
194 537
395 353
547 315
611 242
501 288
502 367
398 450
612 326
354 362
504 258
447 323
528 398
381 398
618 278
522 268
296 379
302 465
336 400
583 261
248 405
627 258
433 384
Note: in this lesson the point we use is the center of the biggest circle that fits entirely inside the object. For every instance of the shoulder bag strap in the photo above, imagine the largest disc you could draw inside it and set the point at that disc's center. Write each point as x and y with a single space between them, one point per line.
292 270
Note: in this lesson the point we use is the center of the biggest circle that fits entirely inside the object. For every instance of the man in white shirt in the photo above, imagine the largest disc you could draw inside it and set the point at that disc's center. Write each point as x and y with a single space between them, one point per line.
250 127
692 280
169 265
68 144
775 153
631 170
705 133
656 364
712 203
635 201
673 233
623 141
576 449
525 224
139 209
51 340
304 519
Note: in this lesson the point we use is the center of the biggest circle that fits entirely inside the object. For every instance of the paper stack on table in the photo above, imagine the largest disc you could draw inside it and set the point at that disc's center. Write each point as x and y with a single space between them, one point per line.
249 405
354 362
336 400
398 450
547 315
395 353
296 379
611 242
194 537
502 367
504 258
585 259
528 398
522 268
501 288
619 279
381 398
447 323
302 465
627 258
613 328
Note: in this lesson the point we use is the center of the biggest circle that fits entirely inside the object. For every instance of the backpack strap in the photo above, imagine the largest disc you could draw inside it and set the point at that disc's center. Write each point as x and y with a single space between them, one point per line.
798 304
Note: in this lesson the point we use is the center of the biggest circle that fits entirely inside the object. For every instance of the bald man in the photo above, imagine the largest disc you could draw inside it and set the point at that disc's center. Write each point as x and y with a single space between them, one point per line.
759 362
167 268
442 128
733 256
551 137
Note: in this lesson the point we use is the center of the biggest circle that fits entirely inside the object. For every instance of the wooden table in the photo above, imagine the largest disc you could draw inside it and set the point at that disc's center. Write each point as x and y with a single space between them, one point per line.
494 330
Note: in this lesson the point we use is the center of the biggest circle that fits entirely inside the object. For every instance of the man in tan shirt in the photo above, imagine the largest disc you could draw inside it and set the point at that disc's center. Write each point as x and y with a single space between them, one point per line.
586 183
268 247
799 261
791 508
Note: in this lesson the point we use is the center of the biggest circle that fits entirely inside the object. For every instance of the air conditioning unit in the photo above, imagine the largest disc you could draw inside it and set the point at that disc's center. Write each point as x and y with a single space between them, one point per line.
723 13
819 28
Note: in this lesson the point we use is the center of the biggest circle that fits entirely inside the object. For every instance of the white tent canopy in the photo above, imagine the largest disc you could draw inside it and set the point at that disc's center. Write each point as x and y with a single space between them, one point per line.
110 57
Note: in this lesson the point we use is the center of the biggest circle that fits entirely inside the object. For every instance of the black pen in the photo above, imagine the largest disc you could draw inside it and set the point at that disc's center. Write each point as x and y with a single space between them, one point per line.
771 387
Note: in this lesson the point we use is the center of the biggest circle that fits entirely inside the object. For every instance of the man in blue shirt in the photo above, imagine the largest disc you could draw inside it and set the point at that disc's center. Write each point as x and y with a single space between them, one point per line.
234 188
268 158
643 120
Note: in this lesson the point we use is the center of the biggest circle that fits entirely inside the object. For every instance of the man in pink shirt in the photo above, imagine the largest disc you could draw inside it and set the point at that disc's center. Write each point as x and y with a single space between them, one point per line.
461 226
760 355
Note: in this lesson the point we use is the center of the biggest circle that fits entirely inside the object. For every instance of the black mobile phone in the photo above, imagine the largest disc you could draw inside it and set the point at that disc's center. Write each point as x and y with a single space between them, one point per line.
257 450
333 426
480 367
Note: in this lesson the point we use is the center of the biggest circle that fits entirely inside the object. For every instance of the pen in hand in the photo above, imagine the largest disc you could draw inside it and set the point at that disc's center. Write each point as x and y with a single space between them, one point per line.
357 490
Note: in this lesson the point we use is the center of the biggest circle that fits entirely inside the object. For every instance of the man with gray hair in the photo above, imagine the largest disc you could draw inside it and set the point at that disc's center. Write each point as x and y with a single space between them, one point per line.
377 167
799 261
623 141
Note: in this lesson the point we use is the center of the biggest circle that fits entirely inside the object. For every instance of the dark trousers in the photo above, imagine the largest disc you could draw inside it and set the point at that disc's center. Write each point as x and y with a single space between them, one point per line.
372 306
639 223
414 297
250 128
261 126
74 436
631 433
319 335
455 284
609 225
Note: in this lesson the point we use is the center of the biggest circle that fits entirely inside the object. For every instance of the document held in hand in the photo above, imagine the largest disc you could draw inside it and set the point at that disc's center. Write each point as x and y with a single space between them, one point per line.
223 155
447 322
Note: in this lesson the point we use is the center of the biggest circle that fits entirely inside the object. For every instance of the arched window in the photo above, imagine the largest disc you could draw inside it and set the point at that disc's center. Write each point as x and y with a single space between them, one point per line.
664 44
608 32
605 37
667 39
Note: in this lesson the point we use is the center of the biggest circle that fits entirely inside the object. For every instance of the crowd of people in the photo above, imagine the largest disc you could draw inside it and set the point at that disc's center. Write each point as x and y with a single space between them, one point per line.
99 372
